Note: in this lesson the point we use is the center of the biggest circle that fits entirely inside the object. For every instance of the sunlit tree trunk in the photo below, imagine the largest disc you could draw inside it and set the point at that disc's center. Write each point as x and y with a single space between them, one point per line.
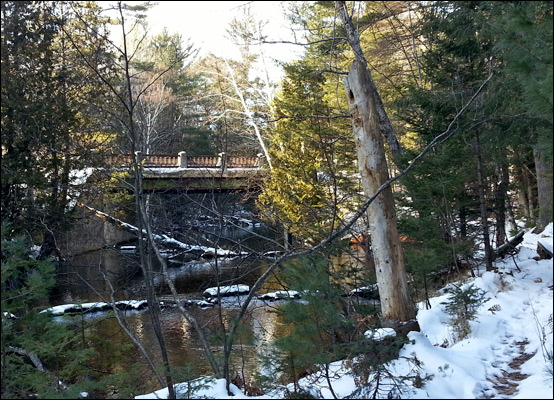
385 241
370 124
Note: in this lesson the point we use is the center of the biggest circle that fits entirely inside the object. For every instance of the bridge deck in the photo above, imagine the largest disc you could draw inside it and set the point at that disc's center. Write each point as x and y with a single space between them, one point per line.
203 173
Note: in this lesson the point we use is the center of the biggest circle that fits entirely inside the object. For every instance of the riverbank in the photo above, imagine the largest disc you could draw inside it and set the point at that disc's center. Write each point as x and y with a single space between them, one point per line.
507 354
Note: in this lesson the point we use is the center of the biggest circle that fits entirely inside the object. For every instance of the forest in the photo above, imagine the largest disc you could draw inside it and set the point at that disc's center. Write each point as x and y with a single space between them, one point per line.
409 149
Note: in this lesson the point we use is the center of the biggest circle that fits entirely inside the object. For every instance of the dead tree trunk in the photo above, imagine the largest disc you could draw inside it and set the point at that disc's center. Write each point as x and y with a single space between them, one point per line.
384 124
385 242
370 122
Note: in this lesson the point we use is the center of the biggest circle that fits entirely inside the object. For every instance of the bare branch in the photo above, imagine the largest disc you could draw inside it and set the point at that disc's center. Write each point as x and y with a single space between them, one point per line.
309 116
303 44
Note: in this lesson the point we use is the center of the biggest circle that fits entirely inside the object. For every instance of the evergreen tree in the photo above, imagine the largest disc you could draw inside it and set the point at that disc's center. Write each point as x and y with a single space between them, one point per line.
47 125
523 33
468 178
166 115
312 179
40 357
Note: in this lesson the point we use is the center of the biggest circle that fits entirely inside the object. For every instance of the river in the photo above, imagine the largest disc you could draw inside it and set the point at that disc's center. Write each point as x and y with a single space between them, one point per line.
84 281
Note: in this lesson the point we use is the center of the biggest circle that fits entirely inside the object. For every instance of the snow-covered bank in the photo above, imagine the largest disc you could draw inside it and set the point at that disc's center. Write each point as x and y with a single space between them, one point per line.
504 356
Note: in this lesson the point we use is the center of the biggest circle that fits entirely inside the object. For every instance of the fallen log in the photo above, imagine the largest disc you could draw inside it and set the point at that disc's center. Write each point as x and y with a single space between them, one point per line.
509 246
200 251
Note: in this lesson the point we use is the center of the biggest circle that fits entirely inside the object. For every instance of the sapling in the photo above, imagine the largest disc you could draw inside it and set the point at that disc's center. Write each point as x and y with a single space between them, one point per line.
462 306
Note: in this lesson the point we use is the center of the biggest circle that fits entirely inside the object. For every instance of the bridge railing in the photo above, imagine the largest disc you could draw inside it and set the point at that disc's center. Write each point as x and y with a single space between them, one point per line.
202 161
161 161
182 160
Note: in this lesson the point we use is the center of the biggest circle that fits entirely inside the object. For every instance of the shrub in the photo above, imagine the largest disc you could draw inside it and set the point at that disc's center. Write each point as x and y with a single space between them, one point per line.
462 306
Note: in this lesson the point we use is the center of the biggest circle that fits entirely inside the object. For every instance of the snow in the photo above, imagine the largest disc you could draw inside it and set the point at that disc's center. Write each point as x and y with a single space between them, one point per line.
9 315
370 292
62 309
226 290
514 321
380 333
35 251
280 294
212 251
215 390
80 176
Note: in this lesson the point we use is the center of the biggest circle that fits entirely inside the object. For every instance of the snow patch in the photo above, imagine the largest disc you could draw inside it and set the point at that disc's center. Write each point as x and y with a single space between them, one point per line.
379 334
231 290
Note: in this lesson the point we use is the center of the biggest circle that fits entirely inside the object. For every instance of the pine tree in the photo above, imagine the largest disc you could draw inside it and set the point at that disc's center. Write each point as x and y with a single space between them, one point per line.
469 177
40 357
522 40
313 160
47 127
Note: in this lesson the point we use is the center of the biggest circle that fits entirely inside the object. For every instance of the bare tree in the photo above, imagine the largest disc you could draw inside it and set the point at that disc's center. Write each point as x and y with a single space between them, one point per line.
129 98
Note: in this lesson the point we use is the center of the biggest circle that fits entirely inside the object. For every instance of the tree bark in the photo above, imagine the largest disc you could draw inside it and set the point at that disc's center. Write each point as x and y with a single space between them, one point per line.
543 167
385 241
482 203
501 198
385 126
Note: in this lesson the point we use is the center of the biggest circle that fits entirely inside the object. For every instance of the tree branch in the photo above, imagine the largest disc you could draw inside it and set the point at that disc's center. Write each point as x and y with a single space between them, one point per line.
32 356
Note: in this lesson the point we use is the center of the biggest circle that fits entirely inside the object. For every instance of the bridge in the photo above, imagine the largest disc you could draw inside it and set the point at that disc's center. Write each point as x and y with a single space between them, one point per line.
162 172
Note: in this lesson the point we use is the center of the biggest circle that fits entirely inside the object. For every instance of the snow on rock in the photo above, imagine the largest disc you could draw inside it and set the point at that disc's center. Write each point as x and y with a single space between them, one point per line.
80 176
9 315
128 249
201 303
96 306
366 292
280 295
35 251
379 334
231 290
273 254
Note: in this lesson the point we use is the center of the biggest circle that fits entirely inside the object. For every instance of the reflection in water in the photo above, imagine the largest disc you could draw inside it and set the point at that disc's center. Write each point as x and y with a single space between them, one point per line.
261 326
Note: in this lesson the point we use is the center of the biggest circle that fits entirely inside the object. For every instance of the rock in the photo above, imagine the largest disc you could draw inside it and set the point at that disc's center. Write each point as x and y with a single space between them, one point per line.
233 290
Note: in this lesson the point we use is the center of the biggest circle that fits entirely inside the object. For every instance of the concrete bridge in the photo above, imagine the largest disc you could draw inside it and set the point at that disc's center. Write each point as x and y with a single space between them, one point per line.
196 172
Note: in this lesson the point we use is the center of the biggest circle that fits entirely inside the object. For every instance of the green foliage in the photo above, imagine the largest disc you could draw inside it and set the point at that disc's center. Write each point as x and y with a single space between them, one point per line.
462 305
374 379
464 43
47 126
319 329
31 336
326 327
191 383
311 183
523 33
